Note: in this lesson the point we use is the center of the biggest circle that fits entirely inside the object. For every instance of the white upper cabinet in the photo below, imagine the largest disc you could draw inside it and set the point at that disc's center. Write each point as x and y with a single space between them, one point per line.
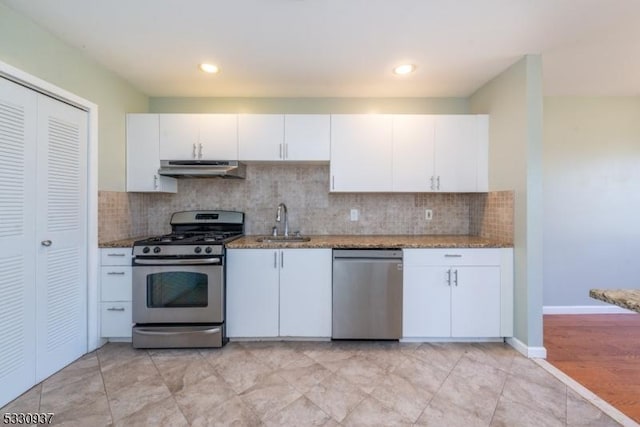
361 153
143 157
198 137
461 144
261 137
413 153
409 153
307 137
290 137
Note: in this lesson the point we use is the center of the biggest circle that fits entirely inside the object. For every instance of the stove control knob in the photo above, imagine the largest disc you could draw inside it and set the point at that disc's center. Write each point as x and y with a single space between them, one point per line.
198 249
146 250
156 250
208 249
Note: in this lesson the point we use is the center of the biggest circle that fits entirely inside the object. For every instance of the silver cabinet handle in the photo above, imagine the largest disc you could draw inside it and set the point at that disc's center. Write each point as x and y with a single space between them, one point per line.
286 151
115 309
333 182
46 243
438 181
275 259
455 277
281 259
115 273
194 150
280 151
449 277
115 254
200 150
452 256
433 187
155 182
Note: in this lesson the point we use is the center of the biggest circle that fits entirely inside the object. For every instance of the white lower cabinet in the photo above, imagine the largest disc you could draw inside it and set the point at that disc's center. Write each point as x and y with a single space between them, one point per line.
461 293
115 293
278 292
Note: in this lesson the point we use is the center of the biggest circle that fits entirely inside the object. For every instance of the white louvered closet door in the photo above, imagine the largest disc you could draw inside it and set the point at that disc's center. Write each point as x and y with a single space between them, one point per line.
17 237
61 236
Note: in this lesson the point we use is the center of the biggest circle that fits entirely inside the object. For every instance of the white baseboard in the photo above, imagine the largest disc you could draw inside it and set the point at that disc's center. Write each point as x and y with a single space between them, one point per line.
448 339
584 309
530 352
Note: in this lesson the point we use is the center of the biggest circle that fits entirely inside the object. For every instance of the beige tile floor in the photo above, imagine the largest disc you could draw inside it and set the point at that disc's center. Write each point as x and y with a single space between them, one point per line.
309 384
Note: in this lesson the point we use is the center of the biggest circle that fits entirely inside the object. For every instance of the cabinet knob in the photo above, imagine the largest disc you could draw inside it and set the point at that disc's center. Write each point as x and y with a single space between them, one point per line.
46 243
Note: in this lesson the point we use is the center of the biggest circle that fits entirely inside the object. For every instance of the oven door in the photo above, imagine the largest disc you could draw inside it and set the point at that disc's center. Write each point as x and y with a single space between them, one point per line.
178 294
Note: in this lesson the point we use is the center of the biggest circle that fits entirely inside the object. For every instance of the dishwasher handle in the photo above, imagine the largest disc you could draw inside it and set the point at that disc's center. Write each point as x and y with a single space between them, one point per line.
367 254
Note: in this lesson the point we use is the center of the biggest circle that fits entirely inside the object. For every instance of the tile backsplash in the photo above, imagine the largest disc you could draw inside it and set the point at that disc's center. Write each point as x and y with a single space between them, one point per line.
312 209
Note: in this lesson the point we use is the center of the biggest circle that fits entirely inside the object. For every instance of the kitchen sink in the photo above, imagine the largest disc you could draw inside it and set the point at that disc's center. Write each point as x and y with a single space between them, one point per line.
282 239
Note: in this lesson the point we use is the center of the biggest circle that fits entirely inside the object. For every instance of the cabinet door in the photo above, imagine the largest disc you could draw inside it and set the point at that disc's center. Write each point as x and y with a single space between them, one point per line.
413 149
218 136
456 153
307 137
361 153
475 302
305 292
115 283
252 293
115 319
261 137
143 155
427 302
179 136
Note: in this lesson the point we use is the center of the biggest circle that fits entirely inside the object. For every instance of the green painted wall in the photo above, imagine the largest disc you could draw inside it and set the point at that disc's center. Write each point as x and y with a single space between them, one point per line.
514 101
27 46
591 197
310 105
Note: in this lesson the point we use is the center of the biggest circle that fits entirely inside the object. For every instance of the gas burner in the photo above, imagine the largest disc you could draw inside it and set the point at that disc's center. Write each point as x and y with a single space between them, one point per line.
192 233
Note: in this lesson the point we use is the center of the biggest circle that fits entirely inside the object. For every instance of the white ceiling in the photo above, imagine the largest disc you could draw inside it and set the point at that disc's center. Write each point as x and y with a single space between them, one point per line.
347 48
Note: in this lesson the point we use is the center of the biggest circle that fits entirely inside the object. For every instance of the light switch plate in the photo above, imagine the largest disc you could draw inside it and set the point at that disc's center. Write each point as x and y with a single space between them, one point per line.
354 214
428 214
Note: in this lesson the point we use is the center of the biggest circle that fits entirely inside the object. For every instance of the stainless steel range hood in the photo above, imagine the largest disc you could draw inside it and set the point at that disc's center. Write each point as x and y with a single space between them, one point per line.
202 169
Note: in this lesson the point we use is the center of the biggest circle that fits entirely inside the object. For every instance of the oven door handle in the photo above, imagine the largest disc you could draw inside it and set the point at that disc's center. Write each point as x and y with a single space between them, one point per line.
141 331
196 261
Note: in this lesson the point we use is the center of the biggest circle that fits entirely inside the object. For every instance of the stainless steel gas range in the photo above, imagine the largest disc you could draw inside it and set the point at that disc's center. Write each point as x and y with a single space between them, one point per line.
179 281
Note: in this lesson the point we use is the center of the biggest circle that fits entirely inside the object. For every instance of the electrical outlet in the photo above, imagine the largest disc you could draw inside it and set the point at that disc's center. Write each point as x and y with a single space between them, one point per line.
428 214
354 214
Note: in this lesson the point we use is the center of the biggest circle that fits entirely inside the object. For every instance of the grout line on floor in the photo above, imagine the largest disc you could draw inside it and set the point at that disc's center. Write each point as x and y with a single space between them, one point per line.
104 384
173 397
587 394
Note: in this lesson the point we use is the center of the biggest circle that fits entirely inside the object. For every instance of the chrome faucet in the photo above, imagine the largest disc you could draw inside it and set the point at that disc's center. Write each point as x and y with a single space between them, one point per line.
282 207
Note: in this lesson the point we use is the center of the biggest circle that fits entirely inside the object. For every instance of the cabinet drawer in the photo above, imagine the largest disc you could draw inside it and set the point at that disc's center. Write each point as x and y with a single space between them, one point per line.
115 319
115 256
412 257
115 283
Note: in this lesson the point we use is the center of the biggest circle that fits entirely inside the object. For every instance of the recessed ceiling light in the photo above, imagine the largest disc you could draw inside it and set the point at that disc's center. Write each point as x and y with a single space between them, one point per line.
404 69
209 68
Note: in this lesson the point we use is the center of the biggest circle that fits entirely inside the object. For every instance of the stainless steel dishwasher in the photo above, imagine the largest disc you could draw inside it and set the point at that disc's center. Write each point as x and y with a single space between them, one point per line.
367 294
